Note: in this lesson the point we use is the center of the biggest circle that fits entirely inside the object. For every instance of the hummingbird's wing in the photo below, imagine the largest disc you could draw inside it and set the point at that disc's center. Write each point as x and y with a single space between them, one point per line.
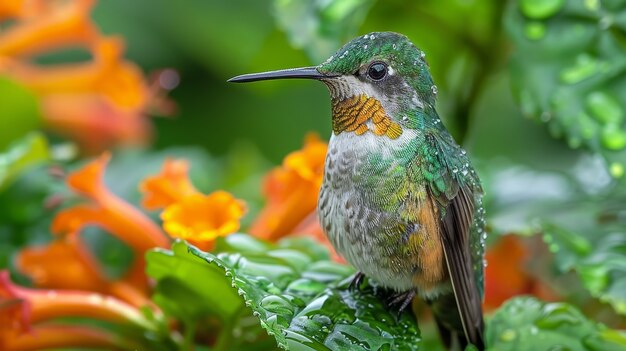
455 230
454 190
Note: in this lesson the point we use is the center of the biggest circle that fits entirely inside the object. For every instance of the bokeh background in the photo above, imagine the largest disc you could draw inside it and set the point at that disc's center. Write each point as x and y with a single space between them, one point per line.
535 91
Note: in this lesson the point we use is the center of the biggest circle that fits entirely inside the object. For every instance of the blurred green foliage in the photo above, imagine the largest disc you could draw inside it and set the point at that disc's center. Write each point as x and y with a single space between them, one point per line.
527 324
19 112
558 173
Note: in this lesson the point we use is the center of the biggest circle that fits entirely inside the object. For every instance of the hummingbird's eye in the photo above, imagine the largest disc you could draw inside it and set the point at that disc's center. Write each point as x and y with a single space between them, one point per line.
377 70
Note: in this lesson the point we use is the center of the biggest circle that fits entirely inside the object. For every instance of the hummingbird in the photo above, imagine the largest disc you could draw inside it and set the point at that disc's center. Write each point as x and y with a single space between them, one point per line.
400 200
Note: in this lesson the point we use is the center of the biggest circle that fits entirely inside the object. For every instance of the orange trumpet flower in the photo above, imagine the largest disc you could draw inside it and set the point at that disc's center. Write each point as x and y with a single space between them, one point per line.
201 218
67 264
507 273
60 336
189 214
62 264
107 211
100 102
61 25
172 184
291 191
44 305
23 308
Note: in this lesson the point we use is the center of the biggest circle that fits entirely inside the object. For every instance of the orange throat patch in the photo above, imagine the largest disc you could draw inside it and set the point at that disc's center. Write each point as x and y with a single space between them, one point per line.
352 115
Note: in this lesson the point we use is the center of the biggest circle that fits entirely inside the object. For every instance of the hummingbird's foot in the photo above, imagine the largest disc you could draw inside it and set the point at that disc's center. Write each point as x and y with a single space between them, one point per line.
402 299
356 281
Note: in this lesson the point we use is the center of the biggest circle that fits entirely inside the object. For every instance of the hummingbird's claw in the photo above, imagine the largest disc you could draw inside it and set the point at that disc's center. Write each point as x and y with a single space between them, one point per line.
402 299
356 281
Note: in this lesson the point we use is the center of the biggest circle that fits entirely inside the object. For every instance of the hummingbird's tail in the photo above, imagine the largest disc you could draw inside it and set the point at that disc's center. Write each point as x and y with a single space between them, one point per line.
450 325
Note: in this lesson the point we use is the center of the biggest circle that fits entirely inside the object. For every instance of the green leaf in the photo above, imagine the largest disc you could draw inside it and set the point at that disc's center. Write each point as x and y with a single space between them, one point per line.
320 27
19 111
598 256
525 323
189 289
578 214
31 150
569 71
300 297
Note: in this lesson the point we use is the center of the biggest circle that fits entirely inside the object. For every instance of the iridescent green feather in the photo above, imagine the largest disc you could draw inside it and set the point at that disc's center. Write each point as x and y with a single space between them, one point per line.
447 168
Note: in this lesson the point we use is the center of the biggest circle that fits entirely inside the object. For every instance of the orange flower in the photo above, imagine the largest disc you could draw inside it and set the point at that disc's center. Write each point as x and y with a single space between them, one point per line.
119 82
62 264
61 336
67 264
291 190
23 307
12 318
107 211
169 186
10 9
100 102
44 305
202 218
62 25
93 121
506 274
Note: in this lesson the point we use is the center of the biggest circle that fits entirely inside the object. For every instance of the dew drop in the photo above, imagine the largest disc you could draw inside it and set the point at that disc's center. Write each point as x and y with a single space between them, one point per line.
434 89
508 335
592 5
613 137
616 169
394 46
364 47
540 9
169 79
584 67
574 142
604 107
545 116
535 30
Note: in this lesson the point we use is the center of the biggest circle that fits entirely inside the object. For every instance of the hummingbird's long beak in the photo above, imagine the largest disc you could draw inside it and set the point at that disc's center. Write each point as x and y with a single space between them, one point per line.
304 72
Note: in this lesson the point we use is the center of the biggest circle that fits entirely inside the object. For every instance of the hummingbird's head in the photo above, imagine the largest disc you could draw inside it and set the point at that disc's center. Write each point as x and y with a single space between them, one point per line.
377 83
385 66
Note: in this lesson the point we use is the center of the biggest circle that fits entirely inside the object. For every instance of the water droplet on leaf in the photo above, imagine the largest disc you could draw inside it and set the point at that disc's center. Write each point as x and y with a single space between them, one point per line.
604 107
592 5
574 142
616 169
584 67
540 9
535 30
613 137
508 335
